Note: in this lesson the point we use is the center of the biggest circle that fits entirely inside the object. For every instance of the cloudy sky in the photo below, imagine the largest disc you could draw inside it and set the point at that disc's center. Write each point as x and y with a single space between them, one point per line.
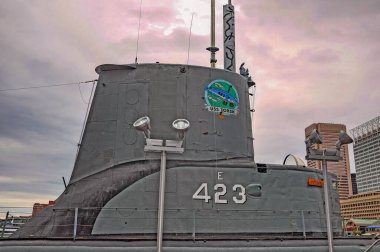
313 61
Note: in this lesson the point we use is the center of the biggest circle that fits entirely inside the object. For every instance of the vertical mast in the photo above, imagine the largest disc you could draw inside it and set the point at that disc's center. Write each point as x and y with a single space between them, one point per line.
212 48
229 37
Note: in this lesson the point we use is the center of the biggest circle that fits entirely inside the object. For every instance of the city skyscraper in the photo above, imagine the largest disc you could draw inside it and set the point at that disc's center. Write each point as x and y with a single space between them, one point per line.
367 155
354 184
330 134
362 205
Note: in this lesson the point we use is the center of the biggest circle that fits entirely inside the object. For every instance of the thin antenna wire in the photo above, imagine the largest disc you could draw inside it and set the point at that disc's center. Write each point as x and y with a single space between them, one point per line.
252 97
81 94
215 135
85 121
87 112
188 49
138 34
45 86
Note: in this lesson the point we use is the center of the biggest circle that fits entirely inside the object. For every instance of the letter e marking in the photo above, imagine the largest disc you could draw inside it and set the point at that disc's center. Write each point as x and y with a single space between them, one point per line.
220 175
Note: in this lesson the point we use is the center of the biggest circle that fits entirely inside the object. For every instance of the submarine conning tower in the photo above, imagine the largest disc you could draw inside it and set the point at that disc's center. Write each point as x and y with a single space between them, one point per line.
213 188
214 101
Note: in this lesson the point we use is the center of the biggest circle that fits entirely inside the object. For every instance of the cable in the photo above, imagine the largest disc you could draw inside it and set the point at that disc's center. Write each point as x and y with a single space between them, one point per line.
138 34
215 135
87 112
2 207
252 97
46 86
85 119
81 94
188 49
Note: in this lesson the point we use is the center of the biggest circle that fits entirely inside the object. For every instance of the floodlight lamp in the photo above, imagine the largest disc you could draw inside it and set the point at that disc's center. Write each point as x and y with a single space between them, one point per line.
344 138
181 126
314 138
143 124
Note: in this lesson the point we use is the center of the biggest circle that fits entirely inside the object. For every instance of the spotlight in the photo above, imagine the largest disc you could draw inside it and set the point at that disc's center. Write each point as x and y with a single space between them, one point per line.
344 138
314 138
181 126
143 124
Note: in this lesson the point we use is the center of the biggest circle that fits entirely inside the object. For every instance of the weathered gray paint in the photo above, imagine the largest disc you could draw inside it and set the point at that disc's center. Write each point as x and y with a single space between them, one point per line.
164 93
112 164
285 195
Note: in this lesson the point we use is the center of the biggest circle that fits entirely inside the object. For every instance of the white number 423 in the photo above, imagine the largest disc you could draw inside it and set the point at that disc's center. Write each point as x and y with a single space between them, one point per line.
220 190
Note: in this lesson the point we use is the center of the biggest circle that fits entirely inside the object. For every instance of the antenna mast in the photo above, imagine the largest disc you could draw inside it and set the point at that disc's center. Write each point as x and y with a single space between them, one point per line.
229 36
212 48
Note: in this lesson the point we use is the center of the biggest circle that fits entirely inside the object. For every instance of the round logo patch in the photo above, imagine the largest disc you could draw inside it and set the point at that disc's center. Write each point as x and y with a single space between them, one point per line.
221 97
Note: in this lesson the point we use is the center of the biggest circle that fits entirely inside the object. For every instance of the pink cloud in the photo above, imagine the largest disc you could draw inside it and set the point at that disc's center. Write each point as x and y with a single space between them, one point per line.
119 19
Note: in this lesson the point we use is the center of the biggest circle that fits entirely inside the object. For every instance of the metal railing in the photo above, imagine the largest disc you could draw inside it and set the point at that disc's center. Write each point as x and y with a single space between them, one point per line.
73 223
13 219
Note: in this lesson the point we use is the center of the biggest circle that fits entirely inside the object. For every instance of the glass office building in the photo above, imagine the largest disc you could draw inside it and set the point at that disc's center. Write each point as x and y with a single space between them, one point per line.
367 155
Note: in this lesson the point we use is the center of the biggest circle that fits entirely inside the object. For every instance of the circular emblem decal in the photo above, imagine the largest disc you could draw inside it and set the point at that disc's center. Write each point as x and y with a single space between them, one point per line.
221 97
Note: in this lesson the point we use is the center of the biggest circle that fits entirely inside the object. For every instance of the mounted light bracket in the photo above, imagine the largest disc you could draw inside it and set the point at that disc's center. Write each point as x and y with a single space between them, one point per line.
181 126
344 138
143 124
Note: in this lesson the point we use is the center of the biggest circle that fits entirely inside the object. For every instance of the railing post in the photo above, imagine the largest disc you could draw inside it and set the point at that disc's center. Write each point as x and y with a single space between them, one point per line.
193 224
4 224
75 223
303 224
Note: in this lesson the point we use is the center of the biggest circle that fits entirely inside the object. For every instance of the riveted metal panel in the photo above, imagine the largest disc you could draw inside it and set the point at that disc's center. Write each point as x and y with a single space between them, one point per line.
287 204
164 93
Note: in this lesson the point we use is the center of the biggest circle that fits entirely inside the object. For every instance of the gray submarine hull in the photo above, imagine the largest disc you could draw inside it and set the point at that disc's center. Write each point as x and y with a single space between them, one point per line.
214 189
